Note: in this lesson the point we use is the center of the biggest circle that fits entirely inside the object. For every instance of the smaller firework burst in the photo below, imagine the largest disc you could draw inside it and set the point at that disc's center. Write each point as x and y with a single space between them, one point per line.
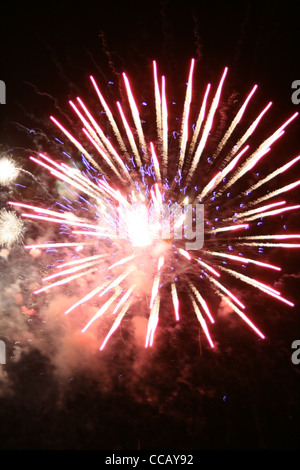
11 229
8 171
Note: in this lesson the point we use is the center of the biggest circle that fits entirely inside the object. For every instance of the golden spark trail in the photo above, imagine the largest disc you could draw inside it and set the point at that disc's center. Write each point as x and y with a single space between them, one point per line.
102 310
209 268
201 302
185 117
247 134
175 300
224 289
110 117
152 322
261 286
199 122
284 189
135 115
272 175
201 321
64 281
130 136
261 209
87 297
244 317
242 259
101 143
116 324
207 129
234 123
164 118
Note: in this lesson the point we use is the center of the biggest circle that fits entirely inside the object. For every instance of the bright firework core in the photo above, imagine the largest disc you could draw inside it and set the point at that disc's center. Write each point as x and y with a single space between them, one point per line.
142 223
139 230
135 217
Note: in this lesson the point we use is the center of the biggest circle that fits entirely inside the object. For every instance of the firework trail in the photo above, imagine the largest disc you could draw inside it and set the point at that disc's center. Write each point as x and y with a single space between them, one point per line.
131 203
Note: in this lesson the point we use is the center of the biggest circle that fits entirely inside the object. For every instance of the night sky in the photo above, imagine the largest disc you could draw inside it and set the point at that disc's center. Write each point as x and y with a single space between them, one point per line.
56 390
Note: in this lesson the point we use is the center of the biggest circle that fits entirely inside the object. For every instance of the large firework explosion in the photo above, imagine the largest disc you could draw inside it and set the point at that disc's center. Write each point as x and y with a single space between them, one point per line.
119 184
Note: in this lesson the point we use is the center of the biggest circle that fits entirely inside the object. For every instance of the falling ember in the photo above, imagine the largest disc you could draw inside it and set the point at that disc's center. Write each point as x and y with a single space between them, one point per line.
132 211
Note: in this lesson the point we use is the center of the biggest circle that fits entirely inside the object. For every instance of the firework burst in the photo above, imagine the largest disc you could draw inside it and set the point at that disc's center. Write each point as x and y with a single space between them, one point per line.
8 171
133 205
11 229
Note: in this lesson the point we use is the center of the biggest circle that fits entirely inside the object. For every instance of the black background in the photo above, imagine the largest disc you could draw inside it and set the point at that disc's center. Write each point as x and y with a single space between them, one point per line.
245 396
